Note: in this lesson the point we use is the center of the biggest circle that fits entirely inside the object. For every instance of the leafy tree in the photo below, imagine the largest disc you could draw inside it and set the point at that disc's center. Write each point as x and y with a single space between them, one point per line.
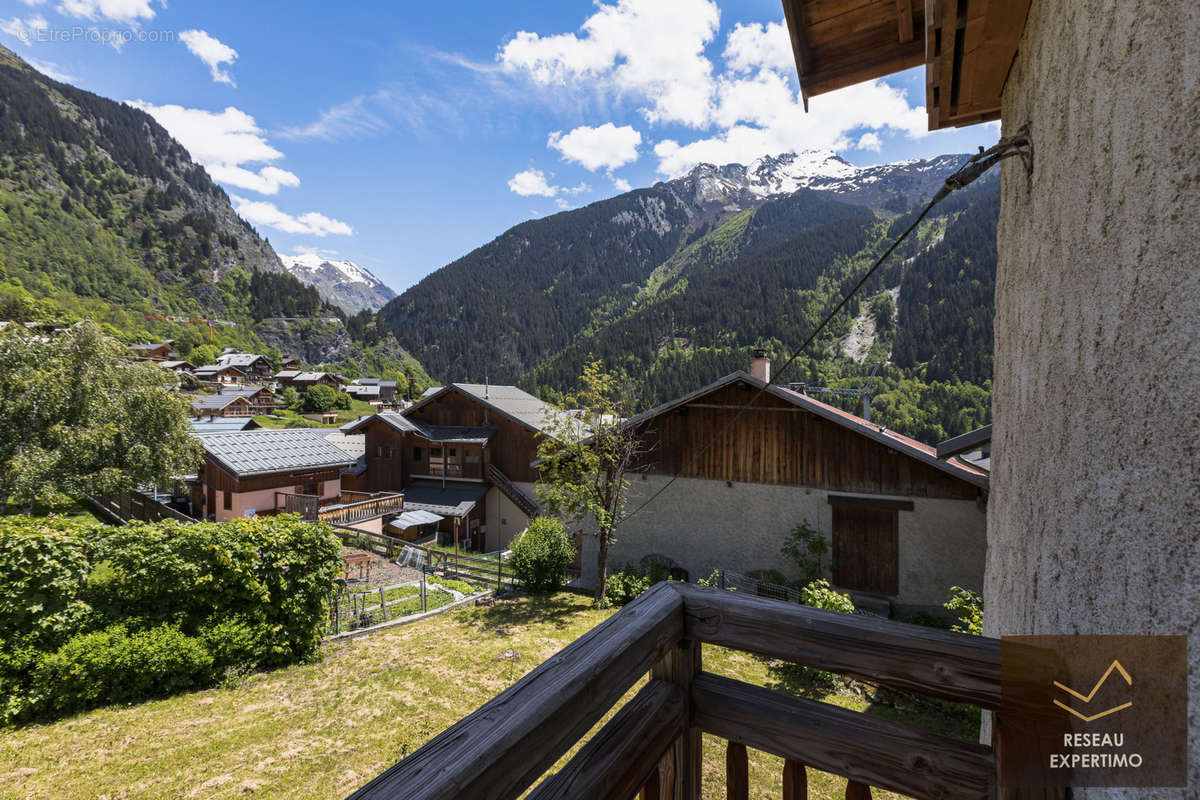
585 460
290 397
807 547
319 399
78 417
968 607
541 555
203 354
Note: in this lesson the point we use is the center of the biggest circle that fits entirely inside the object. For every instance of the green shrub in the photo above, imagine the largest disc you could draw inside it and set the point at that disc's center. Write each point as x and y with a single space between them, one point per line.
541 555
114 666
42 562
625 585
818 594
163 606
968 607
807 547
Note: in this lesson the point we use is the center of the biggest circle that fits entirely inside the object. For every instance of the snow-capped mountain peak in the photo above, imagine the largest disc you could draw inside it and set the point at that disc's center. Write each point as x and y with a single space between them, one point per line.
774 176
343 283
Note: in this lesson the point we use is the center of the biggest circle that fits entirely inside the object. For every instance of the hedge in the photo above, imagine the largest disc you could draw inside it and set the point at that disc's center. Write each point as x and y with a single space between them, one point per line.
92 615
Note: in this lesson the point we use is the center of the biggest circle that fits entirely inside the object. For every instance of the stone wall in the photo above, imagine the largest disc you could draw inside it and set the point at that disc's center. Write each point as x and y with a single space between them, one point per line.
1094 525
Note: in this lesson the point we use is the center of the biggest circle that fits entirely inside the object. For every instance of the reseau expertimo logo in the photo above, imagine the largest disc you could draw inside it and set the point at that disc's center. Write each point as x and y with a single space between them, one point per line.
1093 711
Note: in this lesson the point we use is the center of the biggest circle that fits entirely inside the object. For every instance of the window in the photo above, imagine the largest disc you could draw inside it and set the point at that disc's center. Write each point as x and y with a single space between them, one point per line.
418 453
471 456
453 453
228 501
312 488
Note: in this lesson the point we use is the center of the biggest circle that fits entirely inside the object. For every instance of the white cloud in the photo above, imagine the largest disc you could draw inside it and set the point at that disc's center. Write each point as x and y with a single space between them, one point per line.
752 47
781 125
870 141
653 49
351 118
128 11
532 183
211 51
260 212
605 146
25 30
225 143
655 53
621 185
51 70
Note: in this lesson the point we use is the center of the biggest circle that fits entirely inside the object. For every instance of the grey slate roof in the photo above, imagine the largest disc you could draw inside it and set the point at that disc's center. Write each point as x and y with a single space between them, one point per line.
223 425
213 369
213 402
361 390
508 400
452 500
448 434
262 452
367 382
287 373
239 359
305 377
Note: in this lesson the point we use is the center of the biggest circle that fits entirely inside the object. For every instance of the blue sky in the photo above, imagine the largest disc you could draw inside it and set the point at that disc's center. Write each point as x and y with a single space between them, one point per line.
403 135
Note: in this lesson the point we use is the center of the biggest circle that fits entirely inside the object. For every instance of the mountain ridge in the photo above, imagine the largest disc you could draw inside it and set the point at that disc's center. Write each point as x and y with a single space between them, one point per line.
351 287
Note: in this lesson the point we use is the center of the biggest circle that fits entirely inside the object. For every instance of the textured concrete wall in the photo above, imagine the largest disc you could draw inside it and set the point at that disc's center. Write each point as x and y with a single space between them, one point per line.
504 520
1093 519
704 525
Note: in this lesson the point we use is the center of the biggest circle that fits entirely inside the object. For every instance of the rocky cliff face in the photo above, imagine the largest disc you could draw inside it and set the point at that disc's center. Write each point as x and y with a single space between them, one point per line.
314 341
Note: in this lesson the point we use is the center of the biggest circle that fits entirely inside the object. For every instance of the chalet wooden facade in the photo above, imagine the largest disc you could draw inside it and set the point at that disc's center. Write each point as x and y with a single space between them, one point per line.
256 367
154 351
214 373
902 525
463 452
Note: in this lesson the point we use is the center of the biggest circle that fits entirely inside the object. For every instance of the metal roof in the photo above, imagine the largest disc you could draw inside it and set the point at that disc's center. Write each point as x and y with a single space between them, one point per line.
964 443
367 382
223 425
287 373
212 369
454 499
354 446
410 518
262 452
363 390
304 377
174 364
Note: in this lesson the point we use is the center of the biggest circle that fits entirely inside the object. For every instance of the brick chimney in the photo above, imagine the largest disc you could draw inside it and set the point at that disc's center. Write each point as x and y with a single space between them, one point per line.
760 365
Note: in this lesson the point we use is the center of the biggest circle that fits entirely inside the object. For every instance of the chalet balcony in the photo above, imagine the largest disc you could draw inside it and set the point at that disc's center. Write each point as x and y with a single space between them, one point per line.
346 508
652 746
440 469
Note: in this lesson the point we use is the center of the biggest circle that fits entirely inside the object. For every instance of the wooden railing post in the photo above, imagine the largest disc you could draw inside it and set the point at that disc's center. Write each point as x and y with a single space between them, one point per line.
857 791
795 780
737 772
683 760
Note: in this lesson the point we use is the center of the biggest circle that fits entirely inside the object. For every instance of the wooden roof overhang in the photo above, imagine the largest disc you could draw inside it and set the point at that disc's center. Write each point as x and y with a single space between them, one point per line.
967 47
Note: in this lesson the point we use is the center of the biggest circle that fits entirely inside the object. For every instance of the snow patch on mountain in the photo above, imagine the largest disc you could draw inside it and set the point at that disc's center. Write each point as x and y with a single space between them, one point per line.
343 283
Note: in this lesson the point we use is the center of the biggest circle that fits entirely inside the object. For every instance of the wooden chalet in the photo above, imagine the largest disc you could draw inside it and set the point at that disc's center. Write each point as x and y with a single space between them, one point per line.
298 470
155 351
289 363
179 367
463 452
236 401
903 526
303 381
254 366
214 373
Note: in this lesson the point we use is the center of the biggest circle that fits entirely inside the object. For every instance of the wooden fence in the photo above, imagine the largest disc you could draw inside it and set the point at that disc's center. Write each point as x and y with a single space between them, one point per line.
492 572
133 505
653 744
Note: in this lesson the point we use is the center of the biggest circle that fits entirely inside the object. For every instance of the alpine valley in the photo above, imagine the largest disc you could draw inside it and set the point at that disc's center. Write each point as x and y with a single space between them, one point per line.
672 286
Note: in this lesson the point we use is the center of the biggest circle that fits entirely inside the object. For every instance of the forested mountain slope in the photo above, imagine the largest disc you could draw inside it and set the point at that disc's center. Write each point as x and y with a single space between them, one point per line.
104 215
672 286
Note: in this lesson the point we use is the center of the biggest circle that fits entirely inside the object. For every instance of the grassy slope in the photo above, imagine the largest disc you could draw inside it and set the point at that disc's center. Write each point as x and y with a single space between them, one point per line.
321 730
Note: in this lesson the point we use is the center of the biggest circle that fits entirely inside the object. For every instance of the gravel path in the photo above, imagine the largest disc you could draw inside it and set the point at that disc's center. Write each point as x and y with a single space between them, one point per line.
383 573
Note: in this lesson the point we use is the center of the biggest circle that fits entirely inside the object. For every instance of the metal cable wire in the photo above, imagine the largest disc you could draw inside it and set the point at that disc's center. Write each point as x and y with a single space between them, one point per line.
1020 145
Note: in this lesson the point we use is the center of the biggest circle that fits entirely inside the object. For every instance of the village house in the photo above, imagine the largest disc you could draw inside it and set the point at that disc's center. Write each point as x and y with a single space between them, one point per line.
214 373
902 526
159 351
236 401
285 377
289 363
464 453
255 367
365 393
296 470
303 381
178 367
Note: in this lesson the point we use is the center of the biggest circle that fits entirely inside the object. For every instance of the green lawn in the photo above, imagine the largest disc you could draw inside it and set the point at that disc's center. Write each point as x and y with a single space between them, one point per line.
320 730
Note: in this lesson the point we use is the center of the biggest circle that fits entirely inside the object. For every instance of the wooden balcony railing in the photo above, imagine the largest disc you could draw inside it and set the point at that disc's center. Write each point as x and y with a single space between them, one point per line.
362 510
653 744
